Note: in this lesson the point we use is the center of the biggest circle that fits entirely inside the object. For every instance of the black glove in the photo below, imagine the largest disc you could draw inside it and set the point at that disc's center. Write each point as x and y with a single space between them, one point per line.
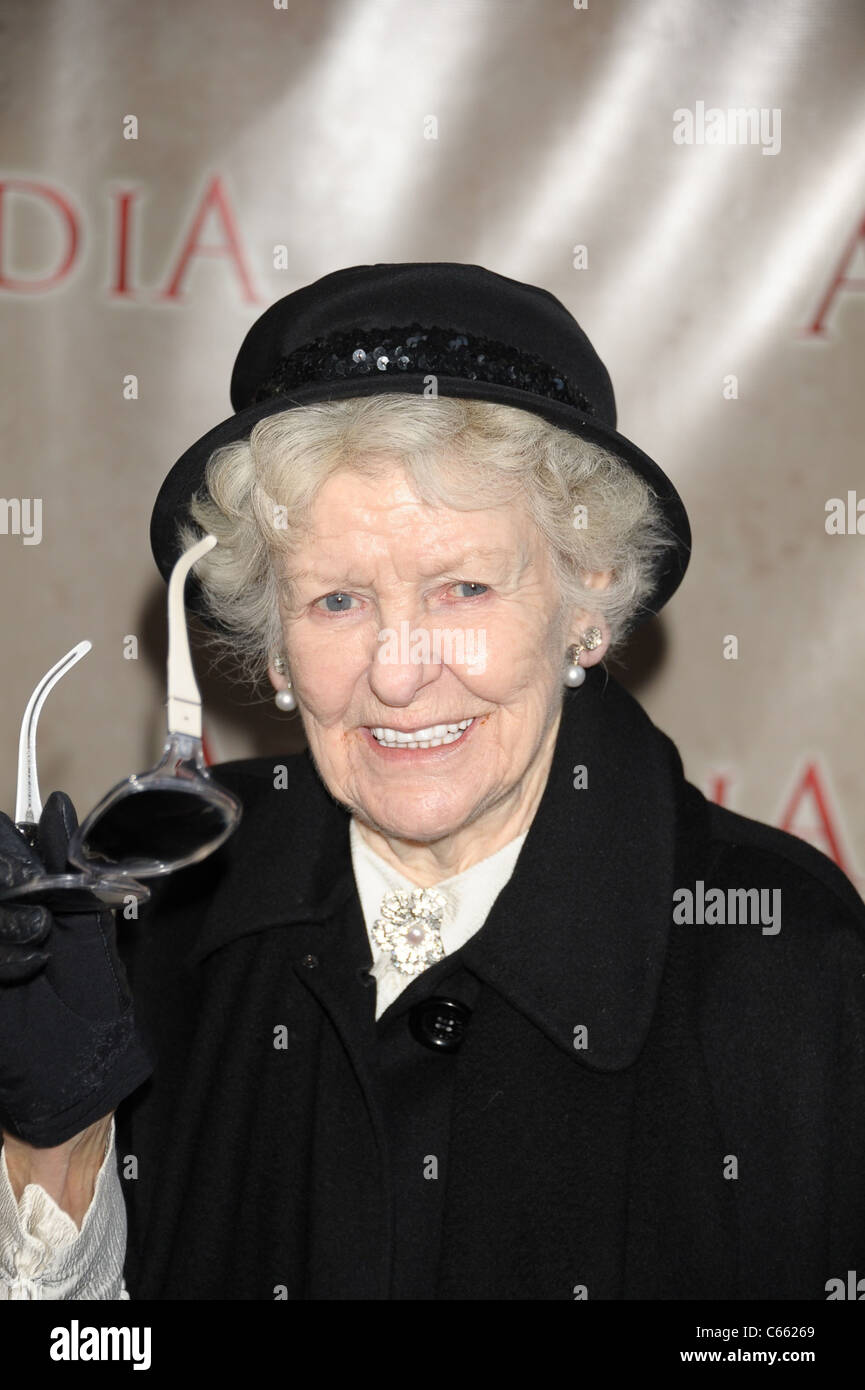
69 1052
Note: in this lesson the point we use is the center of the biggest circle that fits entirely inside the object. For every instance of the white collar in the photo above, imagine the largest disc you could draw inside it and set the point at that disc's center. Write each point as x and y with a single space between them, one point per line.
469 895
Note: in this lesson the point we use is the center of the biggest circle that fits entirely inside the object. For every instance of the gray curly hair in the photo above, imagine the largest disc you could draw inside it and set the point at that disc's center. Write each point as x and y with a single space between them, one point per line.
595 513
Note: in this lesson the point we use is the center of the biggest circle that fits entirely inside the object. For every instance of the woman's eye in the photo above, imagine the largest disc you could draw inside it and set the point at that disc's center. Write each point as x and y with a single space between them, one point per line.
475 589
335 603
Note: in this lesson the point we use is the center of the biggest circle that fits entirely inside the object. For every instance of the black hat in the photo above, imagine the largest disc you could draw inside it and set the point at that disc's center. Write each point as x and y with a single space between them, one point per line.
379 328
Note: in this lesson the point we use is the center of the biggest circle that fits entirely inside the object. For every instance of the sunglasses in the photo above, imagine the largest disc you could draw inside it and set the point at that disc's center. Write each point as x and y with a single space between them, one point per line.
151 823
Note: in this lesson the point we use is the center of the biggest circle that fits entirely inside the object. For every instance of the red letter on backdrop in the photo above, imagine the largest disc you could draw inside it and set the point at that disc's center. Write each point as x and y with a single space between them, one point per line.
120 288
809 785
70 221
839 281
718 789
215 197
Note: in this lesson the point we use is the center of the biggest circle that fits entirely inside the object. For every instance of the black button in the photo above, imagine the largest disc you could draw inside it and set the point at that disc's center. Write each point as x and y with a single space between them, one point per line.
439 1024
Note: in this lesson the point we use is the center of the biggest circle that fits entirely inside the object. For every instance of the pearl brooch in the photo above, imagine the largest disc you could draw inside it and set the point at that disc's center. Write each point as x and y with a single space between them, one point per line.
410 927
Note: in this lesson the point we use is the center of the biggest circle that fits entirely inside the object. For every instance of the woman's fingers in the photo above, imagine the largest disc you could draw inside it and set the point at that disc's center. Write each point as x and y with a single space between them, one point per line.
18 863
23 925
16 964
57 824
21 931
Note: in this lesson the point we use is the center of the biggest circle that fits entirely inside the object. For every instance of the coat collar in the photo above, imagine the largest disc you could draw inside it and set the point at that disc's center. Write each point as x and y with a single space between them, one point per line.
576 938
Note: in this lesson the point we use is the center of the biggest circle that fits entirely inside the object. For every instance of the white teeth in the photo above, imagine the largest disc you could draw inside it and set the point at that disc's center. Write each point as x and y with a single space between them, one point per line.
432 737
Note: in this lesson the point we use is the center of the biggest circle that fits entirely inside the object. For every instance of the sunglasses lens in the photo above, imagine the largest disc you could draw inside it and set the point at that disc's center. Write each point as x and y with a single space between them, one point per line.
156 827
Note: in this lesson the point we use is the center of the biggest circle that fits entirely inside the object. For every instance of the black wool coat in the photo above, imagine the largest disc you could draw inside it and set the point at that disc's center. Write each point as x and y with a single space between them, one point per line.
637 1108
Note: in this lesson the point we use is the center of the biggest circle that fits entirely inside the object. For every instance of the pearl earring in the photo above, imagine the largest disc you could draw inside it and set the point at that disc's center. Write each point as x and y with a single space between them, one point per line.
589 640
284 700
574 674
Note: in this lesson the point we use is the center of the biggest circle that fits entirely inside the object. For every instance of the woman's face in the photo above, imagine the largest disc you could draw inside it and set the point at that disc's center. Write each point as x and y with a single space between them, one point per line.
401 617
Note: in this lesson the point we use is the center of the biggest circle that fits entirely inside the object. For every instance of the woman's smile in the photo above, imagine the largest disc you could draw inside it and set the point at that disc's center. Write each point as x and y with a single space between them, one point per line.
423 741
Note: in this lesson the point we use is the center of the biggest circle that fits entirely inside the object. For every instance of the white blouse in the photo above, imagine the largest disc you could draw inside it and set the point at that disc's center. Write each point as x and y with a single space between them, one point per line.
44 1255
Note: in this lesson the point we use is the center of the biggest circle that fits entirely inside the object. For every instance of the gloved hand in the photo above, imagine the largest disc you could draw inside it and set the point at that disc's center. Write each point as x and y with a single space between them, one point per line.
69 1052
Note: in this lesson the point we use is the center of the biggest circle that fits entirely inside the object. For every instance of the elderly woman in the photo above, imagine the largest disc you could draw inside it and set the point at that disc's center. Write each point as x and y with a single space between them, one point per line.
482 999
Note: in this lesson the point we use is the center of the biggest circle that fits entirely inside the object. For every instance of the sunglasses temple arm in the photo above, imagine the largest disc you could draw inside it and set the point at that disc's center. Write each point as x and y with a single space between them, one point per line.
184 698
28 804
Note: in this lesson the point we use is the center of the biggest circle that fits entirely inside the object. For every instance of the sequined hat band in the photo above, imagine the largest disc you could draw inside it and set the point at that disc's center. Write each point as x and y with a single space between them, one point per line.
418 349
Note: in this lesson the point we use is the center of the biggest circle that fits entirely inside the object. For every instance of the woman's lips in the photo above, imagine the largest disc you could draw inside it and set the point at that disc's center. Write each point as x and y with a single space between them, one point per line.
410 754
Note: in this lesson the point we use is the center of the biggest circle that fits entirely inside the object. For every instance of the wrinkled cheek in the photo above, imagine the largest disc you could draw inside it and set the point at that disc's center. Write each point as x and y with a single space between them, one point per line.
323 707
339 754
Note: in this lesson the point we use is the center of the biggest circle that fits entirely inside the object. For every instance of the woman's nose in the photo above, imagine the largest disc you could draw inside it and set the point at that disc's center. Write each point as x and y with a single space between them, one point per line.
406 658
